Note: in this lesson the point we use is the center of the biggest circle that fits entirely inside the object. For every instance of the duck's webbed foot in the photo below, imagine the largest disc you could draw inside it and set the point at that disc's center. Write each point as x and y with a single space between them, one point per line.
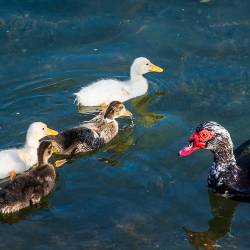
61 162
12 175
104 106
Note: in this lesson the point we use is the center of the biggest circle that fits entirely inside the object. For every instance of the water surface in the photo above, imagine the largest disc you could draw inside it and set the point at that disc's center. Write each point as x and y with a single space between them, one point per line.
134 193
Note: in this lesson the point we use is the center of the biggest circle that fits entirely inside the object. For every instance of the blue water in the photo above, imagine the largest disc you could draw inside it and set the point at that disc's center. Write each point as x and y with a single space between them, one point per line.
135 193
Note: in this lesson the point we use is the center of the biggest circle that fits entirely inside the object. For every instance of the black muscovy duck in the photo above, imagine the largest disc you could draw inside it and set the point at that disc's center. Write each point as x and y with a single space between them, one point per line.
229 174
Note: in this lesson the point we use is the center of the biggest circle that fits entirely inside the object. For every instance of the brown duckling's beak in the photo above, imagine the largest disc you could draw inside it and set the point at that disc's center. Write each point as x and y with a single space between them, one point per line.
51 132
154 68
126 113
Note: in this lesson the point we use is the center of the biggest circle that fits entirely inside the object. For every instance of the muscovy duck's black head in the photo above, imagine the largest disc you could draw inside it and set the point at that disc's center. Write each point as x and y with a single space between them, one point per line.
212 136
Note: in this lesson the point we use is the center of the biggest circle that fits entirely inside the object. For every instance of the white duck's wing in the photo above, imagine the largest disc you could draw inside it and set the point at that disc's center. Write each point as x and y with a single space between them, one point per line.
103 91
9 161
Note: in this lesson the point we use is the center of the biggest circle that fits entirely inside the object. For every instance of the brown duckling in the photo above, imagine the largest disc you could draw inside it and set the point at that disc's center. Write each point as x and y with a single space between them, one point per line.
30 187
91 135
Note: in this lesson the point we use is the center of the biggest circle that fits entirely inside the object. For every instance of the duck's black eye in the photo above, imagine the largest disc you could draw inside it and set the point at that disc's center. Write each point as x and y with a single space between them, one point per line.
43 128
147 64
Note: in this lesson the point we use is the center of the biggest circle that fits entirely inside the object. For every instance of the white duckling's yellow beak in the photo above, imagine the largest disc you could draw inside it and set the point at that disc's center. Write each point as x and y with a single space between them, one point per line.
154 68
51 132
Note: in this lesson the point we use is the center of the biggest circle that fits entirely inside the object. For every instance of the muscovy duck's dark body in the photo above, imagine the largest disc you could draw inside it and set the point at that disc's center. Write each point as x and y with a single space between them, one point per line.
229 174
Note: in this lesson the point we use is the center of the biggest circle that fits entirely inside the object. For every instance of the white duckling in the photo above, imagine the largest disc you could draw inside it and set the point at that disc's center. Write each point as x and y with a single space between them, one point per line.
14 161
103 92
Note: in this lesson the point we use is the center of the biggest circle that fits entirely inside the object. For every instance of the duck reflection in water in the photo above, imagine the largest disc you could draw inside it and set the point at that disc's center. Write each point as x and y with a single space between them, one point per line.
222 211
25 213
141 106
116 150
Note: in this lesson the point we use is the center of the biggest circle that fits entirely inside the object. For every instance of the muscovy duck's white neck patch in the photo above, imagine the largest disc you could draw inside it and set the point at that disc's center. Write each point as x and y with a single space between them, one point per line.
224 168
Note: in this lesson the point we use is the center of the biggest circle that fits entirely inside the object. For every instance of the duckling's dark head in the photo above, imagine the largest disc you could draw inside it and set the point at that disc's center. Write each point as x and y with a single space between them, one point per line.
208 135
44 152
116 109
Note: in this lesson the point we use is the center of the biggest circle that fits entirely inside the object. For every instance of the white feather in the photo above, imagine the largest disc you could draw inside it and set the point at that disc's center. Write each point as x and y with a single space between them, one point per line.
23 158
108 90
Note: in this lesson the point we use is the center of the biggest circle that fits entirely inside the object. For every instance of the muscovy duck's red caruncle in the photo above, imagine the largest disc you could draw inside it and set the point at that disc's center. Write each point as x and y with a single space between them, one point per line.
230 172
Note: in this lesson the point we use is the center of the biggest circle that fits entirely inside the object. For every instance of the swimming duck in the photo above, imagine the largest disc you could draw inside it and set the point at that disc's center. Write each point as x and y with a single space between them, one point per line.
30 187
229 174
105 91
13 161
93 134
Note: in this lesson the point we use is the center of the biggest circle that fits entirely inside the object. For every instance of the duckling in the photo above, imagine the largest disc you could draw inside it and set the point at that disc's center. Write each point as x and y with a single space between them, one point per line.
13 161
30 187
93 134
105 91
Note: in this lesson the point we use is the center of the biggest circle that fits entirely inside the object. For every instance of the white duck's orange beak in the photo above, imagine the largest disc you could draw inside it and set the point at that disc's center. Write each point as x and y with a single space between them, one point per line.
154 68
51 132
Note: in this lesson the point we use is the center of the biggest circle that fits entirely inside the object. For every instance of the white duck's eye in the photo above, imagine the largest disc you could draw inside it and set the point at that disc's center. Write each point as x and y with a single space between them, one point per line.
43 128
147 64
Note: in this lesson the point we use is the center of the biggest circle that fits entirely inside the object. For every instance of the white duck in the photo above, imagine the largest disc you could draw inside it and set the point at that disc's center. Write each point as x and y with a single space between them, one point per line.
13 161
103 92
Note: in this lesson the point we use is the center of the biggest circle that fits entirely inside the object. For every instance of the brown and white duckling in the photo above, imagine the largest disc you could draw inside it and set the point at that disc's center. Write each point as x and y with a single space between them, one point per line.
17 160
91 135
30 187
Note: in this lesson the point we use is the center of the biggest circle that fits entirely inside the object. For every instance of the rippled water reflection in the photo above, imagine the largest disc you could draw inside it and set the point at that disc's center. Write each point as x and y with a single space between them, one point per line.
134 193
